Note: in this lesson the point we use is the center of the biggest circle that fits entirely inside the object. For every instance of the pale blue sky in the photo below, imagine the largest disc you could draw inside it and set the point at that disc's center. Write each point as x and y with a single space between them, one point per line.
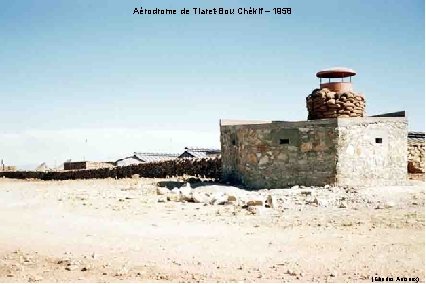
72 70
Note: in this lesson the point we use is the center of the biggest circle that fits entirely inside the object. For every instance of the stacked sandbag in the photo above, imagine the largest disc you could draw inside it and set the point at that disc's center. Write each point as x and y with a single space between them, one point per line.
323 103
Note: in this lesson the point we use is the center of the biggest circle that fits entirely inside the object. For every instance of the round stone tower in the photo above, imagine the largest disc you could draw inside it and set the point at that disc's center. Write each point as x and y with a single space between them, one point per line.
335 97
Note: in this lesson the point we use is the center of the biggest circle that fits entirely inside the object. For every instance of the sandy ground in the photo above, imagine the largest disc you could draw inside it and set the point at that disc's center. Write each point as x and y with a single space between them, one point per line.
116 230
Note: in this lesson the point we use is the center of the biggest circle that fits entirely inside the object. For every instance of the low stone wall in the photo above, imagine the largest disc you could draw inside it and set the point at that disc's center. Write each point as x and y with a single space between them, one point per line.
323 103
204 168
416 158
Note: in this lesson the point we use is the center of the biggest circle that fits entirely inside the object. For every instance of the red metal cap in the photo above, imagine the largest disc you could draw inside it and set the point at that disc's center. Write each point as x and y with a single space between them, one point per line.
336 72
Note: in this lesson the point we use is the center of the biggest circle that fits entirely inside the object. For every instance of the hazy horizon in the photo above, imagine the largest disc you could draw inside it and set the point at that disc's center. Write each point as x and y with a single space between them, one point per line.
77 70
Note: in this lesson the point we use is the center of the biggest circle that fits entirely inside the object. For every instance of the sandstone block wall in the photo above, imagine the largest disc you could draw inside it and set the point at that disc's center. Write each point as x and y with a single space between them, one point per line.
347 151
323 103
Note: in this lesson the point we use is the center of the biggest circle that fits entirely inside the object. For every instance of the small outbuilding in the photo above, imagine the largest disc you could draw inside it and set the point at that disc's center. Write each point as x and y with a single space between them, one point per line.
337 145
140 158
199 153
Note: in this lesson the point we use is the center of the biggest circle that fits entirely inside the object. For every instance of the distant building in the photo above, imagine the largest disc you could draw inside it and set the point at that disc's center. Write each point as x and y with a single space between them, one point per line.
140 158
86 165
4 168
42 168
199 153
416 138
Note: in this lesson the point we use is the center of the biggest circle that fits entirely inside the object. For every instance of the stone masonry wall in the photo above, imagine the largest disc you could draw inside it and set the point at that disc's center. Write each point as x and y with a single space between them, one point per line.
372 151
416 158
279 154
342 151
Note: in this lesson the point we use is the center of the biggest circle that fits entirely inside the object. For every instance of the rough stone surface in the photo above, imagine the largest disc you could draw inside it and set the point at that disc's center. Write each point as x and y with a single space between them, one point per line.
279 154
416 158
342 151
372 151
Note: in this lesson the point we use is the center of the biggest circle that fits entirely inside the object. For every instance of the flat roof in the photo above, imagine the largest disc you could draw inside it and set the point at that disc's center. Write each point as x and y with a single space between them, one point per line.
336 72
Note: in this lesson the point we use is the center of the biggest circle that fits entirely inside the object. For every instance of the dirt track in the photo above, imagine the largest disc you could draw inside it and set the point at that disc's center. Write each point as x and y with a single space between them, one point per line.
116 230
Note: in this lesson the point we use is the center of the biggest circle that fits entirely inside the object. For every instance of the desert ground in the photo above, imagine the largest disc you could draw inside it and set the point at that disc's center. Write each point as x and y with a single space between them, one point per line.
132 230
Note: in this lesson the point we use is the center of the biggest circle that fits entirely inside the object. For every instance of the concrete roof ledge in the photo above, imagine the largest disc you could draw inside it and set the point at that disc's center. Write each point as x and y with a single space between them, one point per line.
369 119
229 122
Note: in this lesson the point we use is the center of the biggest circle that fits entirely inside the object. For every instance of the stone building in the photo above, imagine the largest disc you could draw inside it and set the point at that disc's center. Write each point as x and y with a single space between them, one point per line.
340 149
141 158
200 153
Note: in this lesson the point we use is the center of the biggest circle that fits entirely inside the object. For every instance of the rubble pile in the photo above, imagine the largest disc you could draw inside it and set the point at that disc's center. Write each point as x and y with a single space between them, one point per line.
323 103
266 201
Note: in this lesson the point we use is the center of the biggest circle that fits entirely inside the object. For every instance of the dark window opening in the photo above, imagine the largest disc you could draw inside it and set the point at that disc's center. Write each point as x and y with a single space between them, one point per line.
284 141
379 140
233 142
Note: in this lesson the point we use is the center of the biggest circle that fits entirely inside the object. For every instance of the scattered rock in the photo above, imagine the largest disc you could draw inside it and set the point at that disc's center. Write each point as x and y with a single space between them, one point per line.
252 209
232 198
71 267
379 206
258 210
173 197
186 193
322 202
389 204
272 201
312 201
200 197
162 199
256 201
35 278
219 198
162 190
